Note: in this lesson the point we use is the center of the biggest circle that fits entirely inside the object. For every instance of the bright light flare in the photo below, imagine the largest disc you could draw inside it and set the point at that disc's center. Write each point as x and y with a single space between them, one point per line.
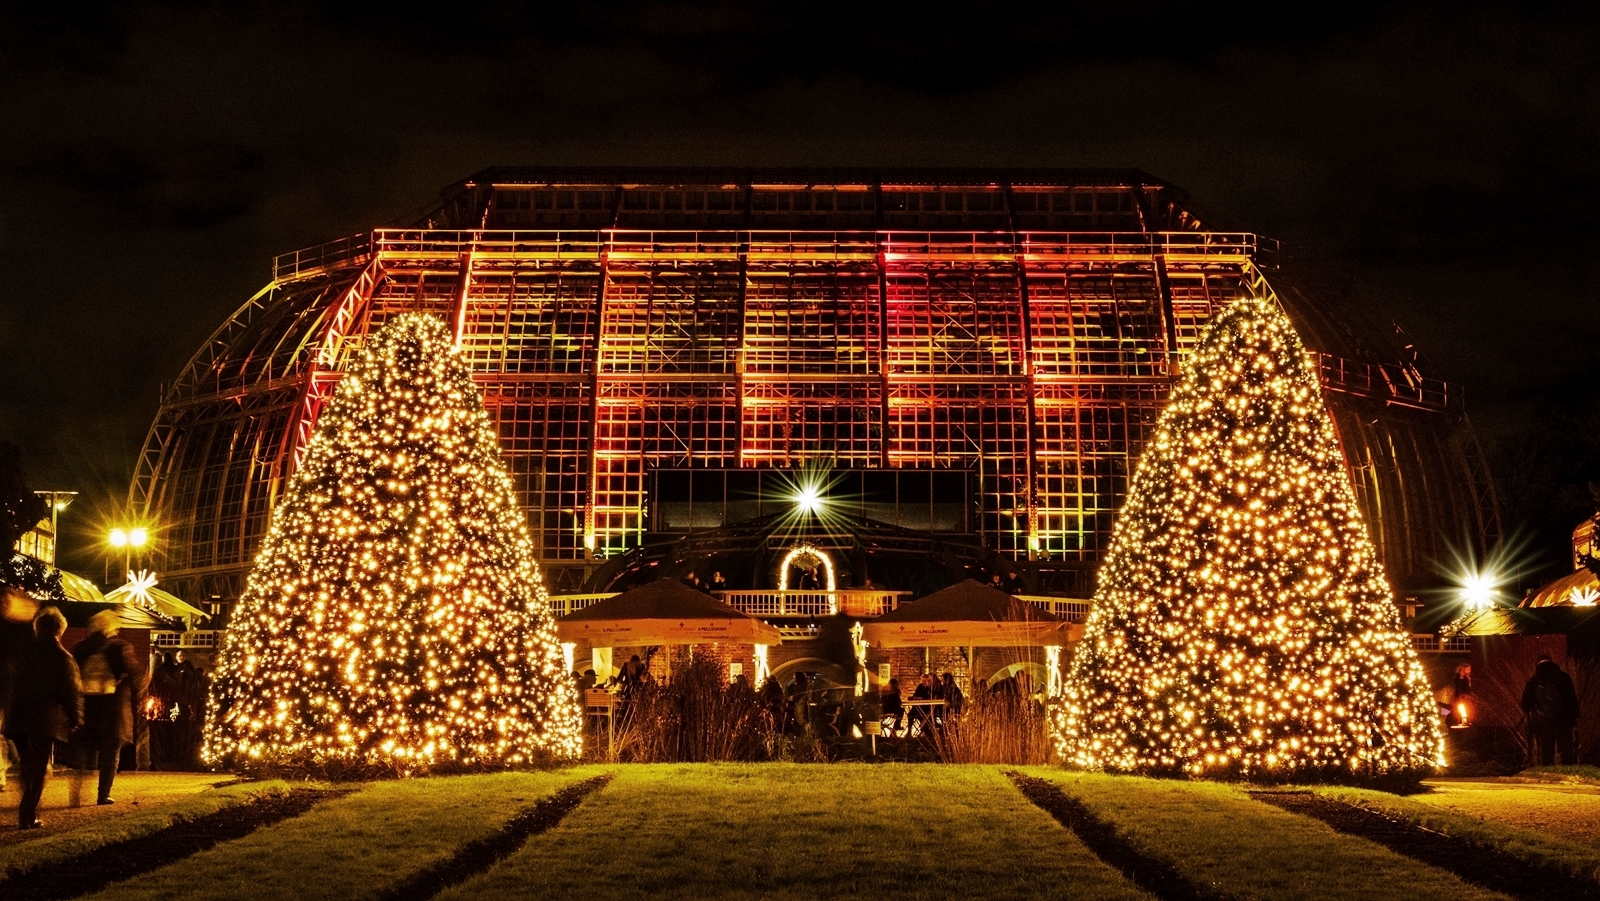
138 537
1479 589
809 499
118 538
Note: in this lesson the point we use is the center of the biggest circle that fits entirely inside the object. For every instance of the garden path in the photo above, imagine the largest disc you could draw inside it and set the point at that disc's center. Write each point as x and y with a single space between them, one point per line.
69 800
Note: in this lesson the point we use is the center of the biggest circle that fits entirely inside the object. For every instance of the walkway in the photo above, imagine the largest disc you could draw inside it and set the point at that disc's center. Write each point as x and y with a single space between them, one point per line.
69 799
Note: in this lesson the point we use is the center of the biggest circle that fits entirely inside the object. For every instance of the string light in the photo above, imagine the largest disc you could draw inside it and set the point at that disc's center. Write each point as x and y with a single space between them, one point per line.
1243 625
395 615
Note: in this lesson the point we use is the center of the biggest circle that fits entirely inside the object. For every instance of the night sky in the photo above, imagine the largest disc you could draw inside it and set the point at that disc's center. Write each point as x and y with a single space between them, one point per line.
155 156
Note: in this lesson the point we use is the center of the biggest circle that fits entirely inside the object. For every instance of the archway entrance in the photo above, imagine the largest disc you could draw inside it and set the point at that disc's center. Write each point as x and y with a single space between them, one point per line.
807 558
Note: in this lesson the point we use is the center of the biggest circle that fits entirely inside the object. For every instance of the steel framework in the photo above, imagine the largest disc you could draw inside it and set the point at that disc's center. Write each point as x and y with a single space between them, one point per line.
1022 326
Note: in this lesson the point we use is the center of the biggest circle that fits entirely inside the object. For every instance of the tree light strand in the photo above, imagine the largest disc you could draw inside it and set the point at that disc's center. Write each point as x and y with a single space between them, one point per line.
395 615
1243 625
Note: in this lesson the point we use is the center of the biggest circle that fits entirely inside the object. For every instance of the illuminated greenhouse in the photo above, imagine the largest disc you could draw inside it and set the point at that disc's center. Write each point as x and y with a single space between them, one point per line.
969 360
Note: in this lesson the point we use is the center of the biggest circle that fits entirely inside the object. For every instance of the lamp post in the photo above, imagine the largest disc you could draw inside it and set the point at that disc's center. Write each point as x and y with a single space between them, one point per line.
129 541
58 501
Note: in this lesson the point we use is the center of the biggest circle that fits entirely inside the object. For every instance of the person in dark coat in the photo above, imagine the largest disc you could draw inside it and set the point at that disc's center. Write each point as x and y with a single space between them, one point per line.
894 705
952 695
113 682
919 713
45 707
1551 704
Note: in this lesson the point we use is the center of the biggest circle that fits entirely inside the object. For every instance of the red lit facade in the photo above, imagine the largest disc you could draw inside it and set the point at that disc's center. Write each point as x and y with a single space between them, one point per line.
1020 327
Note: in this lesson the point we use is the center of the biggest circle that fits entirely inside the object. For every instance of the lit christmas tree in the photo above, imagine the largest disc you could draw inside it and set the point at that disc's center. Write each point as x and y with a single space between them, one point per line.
395 618
1243 625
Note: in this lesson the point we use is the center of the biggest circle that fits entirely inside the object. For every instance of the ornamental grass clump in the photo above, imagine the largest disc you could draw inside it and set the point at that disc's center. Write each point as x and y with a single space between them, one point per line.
697 717
994 727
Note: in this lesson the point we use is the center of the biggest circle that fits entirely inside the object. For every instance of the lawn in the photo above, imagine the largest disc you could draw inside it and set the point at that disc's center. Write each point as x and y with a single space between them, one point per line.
353 847
1570 810
1218 837
798 831
48 847
783 831
1559 849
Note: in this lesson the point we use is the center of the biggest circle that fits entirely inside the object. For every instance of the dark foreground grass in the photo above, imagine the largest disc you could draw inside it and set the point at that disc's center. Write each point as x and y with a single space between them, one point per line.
792 831
1576 773
1223 842
16 860
1541 849
354 847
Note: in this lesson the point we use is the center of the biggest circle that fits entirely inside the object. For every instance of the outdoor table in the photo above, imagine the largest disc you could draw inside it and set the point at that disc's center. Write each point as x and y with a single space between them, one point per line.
597 703
929 715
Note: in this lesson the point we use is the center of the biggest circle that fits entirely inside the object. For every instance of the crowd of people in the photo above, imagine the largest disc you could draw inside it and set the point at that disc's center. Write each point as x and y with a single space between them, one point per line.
84 699
94 707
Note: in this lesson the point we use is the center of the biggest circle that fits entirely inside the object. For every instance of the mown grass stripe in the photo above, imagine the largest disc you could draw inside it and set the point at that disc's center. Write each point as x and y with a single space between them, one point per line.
1544 828
55 845
1487 867
1155 876
481 854
111 863
355 847
1223 841
794 832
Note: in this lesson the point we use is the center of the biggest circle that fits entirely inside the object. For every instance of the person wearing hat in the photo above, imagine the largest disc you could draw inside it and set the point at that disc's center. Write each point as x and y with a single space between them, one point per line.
112 680
45 707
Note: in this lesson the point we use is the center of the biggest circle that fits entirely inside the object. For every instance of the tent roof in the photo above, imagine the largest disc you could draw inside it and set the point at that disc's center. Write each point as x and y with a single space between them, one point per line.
167 603
968 601
1560 592
131 615
77 588
663 612
661 599
1565 620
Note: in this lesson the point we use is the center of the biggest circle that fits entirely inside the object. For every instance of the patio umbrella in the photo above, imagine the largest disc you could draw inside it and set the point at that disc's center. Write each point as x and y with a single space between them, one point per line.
967 614
664 612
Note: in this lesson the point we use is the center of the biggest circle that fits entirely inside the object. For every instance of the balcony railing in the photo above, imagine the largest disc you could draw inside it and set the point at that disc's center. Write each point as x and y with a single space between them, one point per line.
566 604
1025 247
195 639
1460 644
1393 384
1073 610
851 602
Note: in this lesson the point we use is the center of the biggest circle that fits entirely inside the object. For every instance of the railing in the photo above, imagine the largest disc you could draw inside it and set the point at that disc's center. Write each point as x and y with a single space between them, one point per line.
852 602
422 244
1389 383
565 604
286 266
1026 247
197 639
1073 610
1460 644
